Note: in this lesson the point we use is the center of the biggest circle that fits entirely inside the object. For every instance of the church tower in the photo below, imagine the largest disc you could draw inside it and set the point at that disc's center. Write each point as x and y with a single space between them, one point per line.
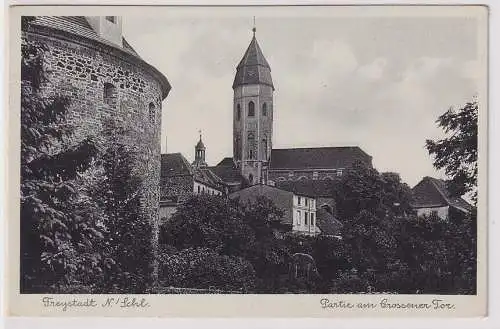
253 114
199 155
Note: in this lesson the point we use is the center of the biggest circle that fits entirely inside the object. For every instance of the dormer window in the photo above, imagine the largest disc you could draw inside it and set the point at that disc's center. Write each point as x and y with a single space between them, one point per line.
112 19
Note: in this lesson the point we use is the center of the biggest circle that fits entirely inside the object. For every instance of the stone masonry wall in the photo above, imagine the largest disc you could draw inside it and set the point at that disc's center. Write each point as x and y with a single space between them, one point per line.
100 85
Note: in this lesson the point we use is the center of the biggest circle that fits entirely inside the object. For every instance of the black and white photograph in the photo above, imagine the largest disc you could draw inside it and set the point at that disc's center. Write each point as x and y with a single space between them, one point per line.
251 151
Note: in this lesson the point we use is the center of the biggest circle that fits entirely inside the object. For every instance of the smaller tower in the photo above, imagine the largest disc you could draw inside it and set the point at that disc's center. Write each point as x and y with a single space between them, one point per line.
199 154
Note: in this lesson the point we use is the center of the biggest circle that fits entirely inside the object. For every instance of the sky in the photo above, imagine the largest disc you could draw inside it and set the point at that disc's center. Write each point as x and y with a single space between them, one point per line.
357 80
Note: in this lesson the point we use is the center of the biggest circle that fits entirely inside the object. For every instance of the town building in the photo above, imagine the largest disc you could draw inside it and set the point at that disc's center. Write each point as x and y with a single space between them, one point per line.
88 60
180 180
299 211
432 198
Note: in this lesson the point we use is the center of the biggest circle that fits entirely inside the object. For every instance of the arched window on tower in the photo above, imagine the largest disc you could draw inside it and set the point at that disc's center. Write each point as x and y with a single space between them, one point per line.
109 95
238 112
251 109
251 145
264 109
152 112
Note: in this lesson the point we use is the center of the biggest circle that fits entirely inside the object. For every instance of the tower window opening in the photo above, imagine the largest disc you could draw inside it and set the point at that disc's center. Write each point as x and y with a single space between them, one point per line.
112 19
109 93
251 145
238 112
251 109
264 109
152 111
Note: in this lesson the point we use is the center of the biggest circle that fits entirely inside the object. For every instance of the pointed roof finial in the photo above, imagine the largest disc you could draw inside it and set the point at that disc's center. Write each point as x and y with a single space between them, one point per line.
199 132
254 29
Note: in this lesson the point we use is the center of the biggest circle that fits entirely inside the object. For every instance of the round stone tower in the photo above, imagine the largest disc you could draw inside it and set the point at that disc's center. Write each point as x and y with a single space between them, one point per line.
253 115
88 60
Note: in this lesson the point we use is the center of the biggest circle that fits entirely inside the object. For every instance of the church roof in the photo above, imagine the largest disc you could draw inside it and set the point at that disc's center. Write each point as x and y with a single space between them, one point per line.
175 164
317 157
200 145
253 67
317 188
432 192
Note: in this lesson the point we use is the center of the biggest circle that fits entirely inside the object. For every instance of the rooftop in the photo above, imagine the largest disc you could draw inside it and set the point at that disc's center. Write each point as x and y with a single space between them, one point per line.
317 157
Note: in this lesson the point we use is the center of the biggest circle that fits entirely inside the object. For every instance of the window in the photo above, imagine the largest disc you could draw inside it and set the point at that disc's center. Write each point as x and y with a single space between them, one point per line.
109 93
306 218
300 200
152 112
251 145
238 112
434 213
198 189
250 178
264 109
339 172
264 147
315 175
251 109
298 217
112 19
312 219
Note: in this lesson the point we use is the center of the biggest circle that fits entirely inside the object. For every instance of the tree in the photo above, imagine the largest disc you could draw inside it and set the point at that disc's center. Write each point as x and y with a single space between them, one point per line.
60 225
204 268
457 154
128 247
231 229
363 188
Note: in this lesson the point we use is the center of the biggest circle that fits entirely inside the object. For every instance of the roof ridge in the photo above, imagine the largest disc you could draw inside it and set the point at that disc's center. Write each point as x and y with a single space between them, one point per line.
443 195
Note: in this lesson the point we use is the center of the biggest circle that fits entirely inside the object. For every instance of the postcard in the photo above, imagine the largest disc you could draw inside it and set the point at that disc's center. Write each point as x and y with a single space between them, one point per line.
247 161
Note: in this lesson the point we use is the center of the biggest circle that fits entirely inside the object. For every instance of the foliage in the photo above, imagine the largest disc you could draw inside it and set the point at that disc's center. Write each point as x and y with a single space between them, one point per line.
364 188
204 268
229 228
128 237
457 154
60 224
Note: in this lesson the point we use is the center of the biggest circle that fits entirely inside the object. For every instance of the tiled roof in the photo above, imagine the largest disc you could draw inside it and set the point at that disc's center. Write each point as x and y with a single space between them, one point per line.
253 67
226 162
327 223
281 198
228 174
207 177
175 164
78 25
316 188
317 157
432 192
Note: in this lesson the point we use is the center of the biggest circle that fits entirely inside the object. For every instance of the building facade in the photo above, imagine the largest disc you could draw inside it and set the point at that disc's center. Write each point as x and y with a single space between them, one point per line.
299 211
431 198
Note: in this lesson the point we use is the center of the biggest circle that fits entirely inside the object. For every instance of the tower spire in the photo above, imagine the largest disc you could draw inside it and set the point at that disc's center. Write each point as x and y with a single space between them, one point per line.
254 29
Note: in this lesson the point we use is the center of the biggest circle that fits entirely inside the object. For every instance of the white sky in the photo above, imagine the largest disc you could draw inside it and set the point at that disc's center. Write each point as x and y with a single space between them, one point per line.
375 82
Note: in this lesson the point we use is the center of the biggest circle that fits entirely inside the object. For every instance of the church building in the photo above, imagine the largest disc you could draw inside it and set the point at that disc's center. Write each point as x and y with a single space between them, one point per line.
297 172
254 158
